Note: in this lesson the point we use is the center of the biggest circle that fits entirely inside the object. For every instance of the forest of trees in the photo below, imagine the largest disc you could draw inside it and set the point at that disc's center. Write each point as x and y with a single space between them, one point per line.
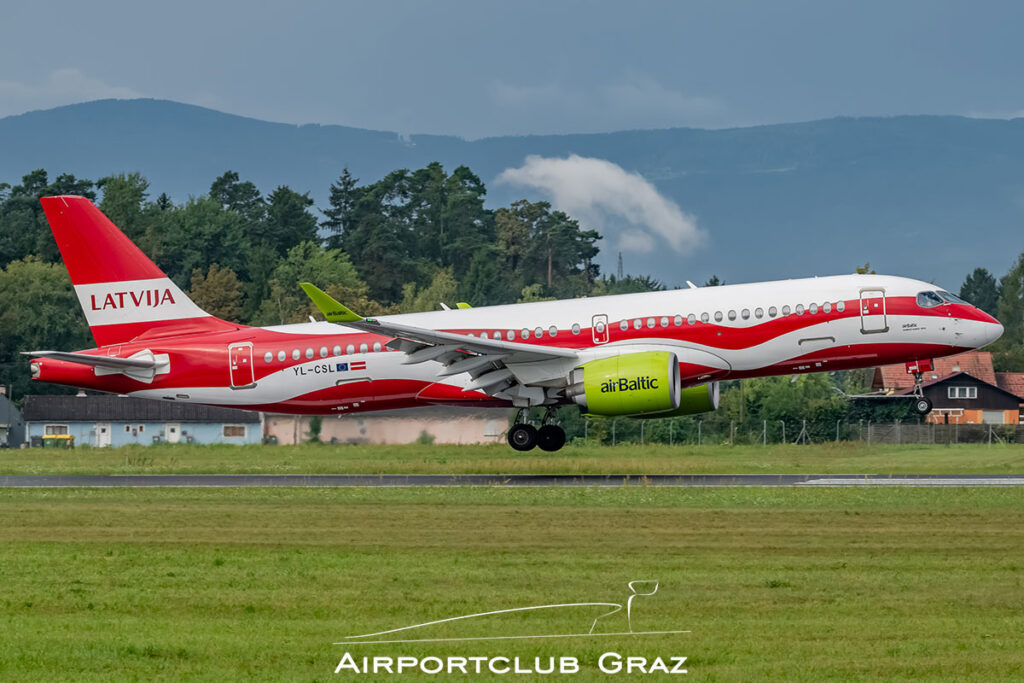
404 243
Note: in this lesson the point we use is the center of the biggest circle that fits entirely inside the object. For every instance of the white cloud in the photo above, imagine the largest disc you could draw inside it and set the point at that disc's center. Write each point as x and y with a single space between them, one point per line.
631 101
63 86
606 196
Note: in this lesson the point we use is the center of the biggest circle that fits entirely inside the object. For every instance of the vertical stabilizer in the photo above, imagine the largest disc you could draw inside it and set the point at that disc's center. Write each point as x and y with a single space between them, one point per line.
122 292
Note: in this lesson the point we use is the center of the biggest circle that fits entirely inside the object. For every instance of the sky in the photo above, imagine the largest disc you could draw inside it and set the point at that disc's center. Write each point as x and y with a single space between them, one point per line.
482 68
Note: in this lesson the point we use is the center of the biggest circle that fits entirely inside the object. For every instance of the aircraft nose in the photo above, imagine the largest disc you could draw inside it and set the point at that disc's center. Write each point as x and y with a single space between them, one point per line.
993 328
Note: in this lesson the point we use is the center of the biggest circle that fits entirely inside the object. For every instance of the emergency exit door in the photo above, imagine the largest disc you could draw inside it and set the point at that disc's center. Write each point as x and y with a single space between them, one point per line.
240 360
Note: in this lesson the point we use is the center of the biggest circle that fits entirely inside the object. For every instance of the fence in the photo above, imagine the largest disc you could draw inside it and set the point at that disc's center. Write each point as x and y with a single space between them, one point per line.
685 431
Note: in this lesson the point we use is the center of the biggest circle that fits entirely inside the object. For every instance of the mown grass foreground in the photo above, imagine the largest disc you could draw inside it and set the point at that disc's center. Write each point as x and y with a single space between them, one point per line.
829 458
256 584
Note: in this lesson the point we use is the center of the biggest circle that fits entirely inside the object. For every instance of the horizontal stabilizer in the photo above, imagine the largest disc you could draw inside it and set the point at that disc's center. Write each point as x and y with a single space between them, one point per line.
95 361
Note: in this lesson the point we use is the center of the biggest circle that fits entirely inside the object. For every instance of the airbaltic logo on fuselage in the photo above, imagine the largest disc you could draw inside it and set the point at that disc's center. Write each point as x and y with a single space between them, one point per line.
146 298
624 384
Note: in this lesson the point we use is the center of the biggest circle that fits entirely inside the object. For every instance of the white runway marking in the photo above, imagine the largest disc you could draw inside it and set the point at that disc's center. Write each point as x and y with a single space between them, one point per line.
905 481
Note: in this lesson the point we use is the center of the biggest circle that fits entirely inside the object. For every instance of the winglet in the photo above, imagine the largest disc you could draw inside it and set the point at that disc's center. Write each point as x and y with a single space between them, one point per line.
332 310
462 304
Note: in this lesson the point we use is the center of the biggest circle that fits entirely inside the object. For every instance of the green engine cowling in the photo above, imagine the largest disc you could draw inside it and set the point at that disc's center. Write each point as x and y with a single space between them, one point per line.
628 384
702 398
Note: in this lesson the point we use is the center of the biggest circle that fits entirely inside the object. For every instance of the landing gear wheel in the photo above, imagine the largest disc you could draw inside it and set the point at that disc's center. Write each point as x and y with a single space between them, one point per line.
550 438
522 437
923 405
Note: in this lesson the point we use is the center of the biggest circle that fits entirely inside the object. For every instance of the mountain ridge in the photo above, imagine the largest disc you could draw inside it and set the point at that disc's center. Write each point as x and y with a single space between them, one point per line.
927 196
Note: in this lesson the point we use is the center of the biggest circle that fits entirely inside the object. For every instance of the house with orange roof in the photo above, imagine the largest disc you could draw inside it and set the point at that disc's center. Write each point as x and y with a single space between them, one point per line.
963 389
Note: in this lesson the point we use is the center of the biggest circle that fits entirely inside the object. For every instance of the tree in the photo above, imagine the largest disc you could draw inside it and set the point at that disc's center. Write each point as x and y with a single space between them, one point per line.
541 246
626 285
1011 306
289 222
981 289
218 292
714 281
242 198
342 200
484 284
195 235
442 289
38 310
123 197
329 269
23 227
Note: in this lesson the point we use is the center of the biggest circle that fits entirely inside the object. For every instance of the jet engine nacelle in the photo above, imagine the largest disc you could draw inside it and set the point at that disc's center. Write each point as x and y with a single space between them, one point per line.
628 384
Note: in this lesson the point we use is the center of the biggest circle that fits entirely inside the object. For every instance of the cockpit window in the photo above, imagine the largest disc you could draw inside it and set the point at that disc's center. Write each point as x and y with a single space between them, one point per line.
929 299
951 298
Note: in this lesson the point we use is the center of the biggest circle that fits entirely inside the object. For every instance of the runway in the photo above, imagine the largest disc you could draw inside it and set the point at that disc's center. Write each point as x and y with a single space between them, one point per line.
503 480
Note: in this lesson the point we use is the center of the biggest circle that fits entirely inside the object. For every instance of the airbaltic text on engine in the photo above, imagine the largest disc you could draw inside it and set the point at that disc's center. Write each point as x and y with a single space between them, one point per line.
623 384
607 663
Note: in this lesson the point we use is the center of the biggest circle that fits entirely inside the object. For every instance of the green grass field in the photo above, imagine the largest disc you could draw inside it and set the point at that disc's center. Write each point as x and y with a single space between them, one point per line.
849 457
243 584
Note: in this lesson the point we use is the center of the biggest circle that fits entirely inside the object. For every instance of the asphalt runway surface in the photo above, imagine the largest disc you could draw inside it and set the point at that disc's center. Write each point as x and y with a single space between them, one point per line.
520 480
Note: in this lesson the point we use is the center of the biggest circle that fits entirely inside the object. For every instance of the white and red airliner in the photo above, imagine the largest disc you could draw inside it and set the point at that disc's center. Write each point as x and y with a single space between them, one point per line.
650 354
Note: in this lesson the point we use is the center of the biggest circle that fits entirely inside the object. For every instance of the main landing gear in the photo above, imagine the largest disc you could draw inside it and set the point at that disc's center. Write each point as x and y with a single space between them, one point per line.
922 404
523 436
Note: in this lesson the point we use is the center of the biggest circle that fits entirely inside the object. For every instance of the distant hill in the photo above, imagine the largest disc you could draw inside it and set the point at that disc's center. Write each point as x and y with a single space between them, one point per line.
925 196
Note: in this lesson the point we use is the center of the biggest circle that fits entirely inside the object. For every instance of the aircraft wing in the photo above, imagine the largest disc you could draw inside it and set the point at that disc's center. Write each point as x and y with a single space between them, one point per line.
505 369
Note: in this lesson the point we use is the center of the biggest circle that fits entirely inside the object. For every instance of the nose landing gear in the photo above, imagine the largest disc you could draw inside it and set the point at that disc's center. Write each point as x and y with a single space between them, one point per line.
922 404
523 436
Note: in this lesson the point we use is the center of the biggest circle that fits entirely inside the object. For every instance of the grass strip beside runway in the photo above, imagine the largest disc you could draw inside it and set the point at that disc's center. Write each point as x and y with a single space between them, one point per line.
849 457
257 583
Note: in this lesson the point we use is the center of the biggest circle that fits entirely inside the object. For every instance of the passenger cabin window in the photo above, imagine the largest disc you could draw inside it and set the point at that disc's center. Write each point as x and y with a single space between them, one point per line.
704 317
841 306
637 324
553 331
650 323
296 354
664 322
678 320
323 352
813 309
624 325
929 300
376 347
281 355
732 315
336 350
785 310
363 348
350 349
718 316
309 352
827 307
799 309
745 314
268 357
575 328
772 311
758 313
691 319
